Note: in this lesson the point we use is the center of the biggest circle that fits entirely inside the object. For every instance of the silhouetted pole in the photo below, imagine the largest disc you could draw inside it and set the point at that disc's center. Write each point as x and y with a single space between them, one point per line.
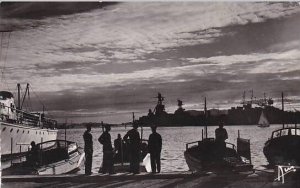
133 118
66 133
19 96
26 92
282 105
11 148
142 133
122 160
205 115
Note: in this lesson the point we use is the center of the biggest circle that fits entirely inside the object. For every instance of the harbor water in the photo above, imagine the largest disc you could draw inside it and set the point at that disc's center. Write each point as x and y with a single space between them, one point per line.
174 142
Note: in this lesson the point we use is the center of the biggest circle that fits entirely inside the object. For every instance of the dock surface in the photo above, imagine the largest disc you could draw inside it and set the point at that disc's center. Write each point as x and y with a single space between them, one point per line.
163 180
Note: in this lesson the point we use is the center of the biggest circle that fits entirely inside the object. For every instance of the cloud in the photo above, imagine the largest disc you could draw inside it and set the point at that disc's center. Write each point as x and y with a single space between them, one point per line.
116 58
259 63
153 27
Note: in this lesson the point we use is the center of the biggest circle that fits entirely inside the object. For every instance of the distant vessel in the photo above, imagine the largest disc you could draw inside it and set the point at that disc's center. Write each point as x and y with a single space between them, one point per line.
283 146
247 114
19 128
263 121
181 117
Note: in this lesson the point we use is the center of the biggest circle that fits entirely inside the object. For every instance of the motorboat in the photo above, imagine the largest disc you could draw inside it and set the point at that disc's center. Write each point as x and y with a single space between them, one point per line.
121 161
205 156
283 147
210 155
53 157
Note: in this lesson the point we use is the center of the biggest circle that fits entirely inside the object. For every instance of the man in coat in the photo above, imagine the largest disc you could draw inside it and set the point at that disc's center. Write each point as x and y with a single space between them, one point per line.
154 147
134 148
88 149
108 154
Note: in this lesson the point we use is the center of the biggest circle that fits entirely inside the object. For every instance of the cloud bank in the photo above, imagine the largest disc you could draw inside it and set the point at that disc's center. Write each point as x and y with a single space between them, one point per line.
115 59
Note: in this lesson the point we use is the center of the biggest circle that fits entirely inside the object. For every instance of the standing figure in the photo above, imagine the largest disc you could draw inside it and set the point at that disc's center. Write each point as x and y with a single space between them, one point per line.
221 136
119 147
88 149
108 154
134 148
221 133
154 146
33 156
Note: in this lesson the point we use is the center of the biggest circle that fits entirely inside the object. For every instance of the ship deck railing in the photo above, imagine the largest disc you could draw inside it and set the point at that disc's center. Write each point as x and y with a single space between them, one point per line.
286 132
27 118
189 144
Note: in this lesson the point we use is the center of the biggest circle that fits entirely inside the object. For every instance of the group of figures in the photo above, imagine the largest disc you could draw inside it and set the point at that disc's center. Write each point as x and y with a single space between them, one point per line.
129 148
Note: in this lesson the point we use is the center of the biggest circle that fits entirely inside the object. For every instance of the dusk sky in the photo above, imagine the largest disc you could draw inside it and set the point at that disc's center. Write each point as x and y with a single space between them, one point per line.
102 64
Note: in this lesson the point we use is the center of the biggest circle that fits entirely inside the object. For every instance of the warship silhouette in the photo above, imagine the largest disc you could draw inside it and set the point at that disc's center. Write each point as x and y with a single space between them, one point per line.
247 114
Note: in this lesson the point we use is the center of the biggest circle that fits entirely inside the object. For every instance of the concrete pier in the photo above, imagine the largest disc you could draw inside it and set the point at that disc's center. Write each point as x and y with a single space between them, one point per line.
261 179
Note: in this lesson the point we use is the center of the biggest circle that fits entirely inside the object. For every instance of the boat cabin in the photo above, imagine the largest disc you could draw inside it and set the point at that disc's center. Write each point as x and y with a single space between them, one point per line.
286 132
54 151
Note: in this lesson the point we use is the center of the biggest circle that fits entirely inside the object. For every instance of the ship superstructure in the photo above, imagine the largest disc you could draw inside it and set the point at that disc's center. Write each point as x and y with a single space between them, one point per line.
247 114
19 128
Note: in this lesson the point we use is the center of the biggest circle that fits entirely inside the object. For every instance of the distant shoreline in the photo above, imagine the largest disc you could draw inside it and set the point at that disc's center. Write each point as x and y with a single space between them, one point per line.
83 126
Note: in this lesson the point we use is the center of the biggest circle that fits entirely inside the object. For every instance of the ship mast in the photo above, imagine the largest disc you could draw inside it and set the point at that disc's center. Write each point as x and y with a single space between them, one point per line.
19 96
26 91
205 118
282 105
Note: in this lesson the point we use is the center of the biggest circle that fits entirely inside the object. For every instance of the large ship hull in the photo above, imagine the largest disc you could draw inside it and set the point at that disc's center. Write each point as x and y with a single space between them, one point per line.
16 138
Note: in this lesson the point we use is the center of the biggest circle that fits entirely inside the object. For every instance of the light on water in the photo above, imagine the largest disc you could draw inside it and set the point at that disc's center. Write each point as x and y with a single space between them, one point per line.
174 140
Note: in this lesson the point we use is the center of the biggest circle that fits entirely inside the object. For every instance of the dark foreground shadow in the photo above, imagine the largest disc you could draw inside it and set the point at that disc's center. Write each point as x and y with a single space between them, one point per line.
258 179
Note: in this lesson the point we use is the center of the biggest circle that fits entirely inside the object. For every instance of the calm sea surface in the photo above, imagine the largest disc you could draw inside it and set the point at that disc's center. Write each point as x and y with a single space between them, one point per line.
174 140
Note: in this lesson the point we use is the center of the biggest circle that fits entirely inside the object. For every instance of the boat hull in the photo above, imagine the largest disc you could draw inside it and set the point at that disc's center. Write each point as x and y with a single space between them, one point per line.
53 157
284 150
206 157
193 163
16 138
62 167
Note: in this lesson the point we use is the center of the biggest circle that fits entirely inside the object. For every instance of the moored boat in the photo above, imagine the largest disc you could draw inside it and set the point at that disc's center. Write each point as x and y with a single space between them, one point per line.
283 146
19 128
54 157
210 155
205 157
121 161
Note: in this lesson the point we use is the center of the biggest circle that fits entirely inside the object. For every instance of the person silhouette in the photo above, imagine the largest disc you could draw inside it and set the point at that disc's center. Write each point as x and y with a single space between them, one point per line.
134 148
33 156
88 149
108 154
154 147
221 136
221 133
119 147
